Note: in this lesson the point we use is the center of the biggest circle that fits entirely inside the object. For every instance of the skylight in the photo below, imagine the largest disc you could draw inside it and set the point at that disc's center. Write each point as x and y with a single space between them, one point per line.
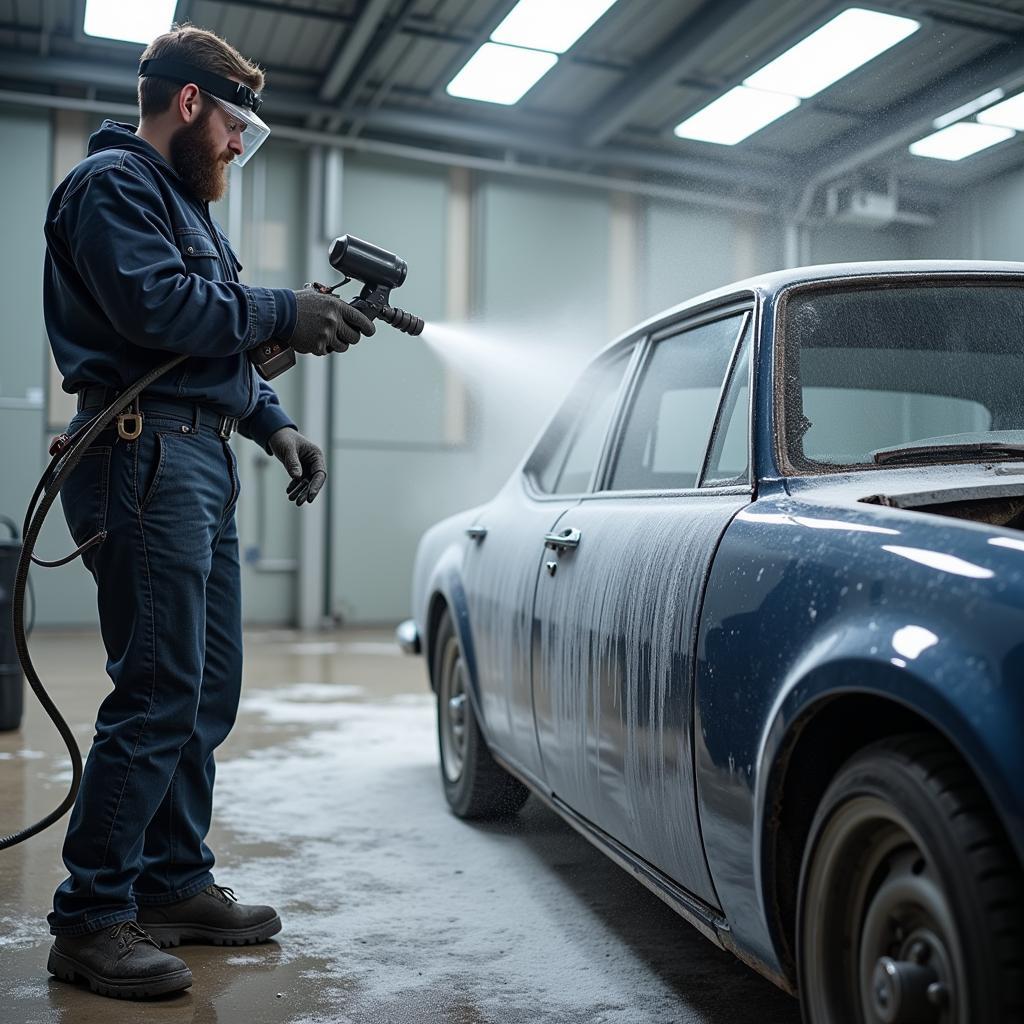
133 21
501 74
1008 114
543 25
966 109
848 41
736 115
961 140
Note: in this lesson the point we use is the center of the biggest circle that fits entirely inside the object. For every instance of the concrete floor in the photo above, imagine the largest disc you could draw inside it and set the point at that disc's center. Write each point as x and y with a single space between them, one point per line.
329 806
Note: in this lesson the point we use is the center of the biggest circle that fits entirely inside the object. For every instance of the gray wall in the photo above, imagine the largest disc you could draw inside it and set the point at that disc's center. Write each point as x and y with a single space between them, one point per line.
538 276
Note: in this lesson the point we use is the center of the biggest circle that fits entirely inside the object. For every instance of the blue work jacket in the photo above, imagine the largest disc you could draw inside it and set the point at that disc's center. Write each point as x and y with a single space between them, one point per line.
138 271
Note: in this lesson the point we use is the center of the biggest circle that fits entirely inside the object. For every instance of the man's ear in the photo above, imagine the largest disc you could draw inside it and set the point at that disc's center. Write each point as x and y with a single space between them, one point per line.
189 103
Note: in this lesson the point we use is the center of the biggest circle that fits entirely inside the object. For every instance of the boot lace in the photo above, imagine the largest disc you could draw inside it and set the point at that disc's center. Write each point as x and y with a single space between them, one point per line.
128 935
222 892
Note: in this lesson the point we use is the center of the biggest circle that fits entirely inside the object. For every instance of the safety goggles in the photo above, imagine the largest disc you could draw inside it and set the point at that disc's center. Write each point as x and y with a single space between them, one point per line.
236 99
254 129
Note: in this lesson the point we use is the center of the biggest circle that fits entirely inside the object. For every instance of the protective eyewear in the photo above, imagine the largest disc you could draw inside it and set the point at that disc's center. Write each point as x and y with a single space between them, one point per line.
254 130
238 100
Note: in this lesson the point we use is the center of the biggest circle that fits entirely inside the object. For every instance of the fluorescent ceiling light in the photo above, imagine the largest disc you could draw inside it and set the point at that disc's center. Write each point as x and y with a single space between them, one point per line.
968 108
736 115
543 25
846 42
134 21
1009 114
500 74
960 140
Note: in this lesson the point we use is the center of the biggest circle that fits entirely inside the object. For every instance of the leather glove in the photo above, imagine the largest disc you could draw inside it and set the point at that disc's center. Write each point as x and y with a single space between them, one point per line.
304 462
325 323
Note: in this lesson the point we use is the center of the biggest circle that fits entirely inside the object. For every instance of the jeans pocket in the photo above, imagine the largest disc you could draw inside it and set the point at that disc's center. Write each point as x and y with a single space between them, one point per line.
150 463
84 496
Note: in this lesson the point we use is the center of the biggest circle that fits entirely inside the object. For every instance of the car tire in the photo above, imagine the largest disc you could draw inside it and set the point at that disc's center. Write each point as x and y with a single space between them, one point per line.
910 905
475 785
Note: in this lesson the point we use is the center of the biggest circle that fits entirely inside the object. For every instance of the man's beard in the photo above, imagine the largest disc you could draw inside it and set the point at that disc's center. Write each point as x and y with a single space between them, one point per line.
195 159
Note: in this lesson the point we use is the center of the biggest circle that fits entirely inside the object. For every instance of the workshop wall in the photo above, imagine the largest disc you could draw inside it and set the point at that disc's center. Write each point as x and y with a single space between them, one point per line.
548 269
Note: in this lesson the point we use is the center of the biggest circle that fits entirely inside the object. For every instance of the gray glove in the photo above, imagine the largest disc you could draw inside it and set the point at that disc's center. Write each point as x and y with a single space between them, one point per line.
304 462
325 323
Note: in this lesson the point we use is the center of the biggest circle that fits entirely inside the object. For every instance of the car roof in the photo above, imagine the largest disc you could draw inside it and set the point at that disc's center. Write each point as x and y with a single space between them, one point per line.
770 284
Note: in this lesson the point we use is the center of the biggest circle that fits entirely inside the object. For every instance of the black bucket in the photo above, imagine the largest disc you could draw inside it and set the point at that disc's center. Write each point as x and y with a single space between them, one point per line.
12 682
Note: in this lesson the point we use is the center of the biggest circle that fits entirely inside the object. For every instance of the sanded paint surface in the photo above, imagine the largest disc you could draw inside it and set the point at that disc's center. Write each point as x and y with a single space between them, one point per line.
329 806
613 671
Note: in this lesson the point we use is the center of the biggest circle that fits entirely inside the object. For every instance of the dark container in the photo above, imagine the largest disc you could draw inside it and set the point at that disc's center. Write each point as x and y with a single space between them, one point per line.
12 682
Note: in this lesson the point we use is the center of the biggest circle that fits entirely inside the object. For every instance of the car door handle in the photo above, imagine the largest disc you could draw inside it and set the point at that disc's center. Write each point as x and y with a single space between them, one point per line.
566 539
476 533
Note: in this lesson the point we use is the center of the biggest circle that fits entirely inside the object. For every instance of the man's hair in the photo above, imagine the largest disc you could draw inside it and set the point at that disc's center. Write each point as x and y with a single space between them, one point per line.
198 47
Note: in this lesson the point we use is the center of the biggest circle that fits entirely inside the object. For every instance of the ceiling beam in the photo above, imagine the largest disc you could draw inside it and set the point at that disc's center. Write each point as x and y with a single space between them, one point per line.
681 54
421 124
912 119
352 48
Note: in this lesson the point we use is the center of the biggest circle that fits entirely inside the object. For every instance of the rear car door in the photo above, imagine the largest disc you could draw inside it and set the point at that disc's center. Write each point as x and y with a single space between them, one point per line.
619 593
506 545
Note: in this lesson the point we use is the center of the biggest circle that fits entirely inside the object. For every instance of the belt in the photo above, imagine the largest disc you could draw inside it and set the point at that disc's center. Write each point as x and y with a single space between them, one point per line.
101 397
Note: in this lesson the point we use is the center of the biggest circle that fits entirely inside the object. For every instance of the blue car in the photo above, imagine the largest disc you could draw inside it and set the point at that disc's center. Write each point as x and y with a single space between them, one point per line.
750 617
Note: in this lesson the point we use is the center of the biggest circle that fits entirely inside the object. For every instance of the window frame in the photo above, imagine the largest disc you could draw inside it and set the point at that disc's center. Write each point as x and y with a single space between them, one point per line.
634 346
744 307
853 282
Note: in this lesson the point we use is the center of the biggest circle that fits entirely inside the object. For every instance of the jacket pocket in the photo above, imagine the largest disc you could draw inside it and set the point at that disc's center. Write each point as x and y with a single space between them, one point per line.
199 254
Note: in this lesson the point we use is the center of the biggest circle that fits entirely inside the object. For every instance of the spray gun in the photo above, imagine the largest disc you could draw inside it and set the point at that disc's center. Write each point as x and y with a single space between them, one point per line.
378 270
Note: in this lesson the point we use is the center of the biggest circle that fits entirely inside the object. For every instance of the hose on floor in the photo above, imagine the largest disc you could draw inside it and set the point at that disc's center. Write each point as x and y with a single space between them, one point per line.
67 453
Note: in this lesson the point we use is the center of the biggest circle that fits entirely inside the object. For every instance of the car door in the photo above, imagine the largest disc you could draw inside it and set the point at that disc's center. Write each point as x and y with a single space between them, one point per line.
506 544
619 595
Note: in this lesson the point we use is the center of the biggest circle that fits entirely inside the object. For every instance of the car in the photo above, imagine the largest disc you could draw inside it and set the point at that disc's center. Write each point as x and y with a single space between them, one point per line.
750 617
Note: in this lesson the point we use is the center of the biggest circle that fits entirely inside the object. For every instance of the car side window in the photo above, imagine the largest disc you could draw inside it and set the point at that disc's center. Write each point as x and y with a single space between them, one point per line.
729 461
567 456
669 426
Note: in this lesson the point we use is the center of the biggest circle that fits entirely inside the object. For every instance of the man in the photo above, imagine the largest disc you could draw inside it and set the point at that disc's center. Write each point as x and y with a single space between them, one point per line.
137 271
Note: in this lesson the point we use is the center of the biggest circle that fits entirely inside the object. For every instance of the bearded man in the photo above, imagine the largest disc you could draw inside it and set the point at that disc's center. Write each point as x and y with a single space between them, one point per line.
137 271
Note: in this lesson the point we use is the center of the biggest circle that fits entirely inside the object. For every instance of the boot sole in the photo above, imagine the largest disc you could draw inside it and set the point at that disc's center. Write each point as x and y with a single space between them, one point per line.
175 934
66 969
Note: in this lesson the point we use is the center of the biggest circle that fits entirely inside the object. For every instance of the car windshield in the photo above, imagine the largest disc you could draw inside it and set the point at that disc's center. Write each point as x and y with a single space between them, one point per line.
881 376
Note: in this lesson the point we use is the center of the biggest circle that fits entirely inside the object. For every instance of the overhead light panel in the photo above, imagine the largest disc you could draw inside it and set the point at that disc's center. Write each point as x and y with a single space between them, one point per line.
543 25
132 21
969 108
736 115
961 140
501 74
1008 114
848 41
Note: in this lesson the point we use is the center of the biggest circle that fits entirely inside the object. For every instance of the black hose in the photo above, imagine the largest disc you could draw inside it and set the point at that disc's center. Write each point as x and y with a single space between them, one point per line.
60 468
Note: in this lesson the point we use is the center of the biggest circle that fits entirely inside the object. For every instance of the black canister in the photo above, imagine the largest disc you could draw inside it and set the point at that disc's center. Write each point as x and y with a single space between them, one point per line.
12 682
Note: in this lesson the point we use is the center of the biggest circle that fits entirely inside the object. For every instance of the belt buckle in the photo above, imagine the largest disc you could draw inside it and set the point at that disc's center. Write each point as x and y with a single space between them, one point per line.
129 424
227 427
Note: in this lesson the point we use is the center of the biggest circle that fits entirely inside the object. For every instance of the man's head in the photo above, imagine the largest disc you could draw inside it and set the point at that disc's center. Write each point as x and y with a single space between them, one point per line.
201 133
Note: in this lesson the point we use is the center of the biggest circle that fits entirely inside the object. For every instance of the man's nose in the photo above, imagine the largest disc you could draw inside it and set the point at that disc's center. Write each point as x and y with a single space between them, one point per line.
236 145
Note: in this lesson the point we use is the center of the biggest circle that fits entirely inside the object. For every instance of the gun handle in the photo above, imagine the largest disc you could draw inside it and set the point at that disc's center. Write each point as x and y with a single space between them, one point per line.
272 358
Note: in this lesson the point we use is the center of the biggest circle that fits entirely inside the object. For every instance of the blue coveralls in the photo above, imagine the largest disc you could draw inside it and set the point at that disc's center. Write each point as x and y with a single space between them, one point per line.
137 271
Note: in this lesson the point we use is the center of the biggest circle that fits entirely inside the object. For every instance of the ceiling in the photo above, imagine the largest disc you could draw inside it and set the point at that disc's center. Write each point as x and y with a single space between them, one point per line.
377 70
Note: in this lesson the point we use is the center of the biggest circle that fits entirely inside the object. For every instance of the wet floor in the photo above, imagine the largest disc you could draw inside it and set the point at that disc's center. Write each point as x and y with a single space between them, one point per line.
328 805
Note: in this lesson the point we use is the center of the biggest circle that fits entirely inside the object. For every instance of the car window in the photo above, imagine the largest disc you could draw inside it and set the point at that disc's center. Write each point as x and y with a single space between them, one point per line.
567 455
870 370
668 427
729 461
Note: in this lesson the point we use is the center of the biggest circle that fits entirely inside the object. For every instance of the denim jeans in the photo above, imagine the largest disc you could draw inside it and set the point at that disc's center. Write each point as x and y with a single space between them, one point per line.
168 593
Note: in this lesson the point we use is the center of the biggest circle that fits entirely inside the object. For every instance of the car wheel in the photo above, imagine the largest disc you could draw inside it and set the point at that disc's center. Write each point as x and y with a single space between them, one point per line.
910 903
475 785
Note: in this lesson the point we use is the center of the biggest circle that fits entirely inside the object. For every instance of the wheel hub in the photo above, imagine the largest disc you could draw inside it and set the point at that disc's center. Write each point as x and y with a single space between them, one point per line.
906 991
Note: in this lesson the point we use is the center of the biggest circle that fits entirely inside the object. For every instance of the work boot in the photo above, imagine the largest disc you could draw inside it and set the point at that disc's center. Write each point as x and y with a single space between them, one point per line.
211 916
121 961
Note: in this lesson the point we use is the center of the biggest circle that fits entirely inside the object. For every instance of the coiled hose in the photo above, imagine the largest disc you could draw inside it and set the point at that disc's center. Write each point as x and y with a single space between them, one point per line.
67 453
